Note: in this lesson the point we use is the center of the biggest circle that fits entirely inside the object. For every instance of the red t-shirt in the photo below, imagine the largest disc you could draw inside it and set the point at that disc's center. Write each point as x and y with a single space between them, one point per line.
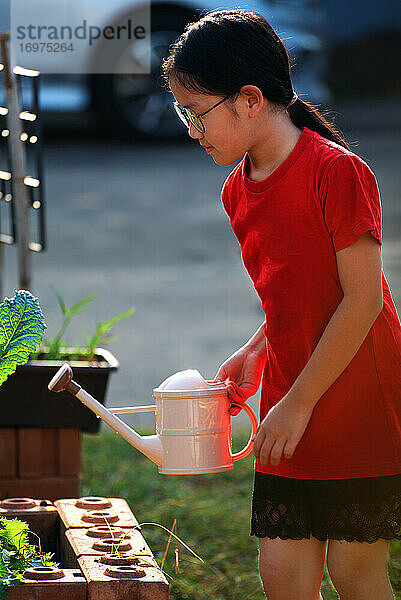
289 226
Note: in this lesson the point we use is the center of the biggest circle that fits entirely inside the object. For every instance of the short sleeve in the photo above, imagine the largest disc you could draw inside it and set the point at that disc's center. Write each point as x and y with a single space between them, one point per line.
225 196
351 202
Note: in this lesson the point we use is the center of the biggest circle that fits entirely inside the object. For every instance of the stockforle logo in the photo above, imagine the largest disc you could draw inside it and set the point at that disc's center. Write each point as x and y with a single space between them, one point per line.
80 36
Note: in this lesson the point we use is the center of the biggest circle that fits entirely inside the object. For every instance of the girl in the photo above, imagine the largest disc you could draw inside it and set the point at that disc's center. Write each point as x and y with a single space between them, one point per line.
306 211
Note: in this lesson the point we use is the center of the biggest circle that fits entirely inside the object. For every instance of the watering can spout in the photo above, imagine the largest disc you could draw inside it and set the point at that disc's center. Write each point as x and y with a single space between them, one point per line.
149 445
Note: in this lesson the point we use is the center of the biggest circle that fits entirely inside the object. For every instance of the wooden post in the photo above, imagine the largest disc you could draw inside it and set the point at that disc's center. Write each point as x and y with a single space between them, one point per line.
1 271
1 246
17 157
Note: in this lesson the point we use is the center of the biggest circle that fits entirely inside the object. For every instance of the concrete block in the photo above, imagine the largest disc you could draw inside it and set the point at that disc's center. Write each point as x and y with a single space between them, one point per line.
41 516
71 585
83 542
113 580
81 512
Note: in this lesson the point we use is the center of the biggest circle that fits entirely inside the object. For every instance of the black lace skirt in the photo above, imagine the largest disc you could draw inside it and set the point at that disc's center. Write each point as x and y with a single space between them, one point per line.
361 509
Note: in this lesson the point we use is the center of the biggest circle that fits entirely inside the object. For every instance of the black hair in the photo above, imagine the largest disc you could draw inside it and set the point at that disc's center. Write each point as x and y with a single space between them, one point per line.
227 49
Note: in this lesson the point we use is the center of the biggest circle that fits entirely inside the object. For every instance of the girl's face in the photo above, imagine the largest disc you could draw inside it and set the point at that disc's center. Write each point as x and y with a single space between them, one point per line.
226 134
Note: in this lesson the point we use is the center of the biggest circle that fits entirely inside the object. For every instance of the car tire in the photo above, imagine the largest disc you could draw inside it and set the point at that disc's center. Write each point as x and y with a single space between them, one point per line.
138 106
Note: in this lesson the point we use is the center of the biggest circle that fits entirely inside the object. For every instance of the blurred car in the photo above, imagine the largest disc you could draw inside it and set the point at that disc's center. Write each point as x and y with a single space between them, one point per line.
138 104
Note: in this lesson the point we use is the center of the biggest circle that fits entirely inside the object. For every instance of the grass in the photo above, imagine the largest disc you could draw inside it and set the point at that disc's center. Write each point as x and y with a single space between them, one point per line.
212 514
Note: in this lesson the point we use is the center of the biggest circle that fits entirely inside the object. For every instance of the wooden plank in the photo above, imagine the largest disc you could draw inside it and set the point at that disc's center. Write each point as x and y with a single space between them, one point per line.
69 451
30 453
50 488
49 451
8 460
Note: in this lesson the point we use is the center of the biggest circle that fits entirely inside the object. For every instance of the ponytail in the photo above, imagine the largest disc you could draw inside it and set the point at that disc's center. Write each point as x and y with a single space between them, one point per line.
305 114
227 49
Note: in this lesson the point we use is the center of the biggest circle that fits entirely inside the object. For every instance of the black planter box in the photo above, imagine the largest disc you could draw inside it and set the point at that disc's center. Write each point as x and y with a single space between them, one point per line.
26 401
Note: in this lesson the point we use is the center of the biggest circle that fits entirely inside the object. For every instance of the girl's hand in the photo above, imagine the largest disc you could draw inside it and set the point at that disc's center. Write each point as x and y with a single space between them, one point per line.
244 371
280 431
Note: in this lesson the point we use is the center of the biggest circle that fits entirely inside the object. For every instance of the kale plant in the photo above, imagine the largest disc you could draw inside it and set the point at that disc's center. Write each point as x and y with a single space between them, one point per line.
21 330
17 554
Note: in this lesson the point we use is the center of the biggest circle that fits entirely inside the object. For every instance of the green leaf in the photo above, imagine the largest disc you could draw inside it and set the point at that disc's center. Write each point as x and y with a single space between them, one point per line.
21 330
44 560
7 555
14 532
79 306
17 554
106 325
107 340
4 572
60 300
8 581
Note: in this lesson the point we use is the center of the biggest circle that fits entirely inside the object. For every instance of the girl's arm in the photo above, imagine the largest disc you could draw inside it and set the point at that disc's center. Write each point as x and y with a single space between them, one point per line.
359 268
244 369
258 341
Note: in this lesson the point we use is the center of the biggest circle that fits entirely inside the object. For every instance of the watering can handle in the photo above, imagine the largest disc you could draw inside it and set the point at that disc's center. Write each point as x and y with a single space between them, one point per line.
254 420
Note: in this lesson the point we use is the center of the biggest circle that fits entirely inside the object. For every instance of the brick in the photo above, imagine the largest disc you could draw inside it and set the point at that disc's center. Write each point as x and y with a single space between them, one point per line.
42 520
29 455
136 581
81 542
69 551
69 451
70 587
118 514
68 555
66 552
8 459
45 487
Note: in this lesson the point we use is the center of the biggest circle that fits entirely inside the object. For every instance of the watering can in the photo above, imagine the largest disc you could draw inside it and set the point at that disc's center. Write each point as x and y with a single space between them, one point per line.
193 423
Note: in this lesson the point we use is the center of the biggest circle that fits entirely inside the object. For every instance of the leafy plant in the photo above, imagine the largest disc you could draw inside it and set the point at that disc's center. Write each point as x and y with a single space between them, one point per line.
17 554
21 331
56 348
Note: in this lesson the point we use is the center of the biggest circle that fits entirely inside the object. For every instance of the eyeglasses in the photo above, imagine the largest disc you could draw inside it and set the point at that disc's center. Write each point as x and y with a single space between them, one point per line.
188 116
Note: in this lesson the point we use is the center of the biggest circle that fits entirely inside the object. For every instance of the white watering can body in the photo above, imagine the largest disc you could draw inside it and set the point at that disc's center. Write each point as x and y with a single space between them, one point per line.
193 423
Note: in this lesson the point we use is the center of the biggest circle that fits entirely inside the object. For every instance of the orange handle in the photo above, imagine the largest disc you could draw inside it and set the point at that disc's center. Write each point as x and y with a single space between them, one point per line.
254 420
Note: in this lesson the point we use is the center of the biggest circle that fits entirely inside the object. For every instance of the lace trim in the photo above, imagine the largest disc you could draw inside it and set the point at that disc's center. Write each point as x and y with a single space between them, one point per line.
363 521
